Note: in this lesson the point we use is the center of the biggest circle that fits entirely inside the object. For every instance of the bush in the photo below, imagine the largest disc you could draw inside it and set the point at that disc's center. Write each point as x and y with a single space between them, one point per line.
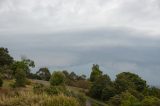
57 78
125 99
151 101
20 77
55 90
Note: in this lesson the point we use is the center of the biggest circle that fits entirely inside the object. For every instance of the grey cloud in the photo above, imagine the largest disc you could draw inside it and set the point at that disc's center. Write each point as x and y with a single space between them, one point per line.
120 35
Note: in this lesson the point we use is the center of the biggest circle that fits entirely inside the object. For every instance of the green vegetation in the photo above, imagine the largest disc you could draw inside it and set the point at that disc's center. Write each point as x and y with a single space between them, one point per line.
30 99
57 78
20 87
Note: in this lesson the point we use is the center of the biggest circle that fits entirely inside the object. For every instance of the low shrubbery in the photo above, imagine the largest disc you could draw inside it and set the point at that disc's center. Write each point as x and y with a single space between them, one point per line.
30 99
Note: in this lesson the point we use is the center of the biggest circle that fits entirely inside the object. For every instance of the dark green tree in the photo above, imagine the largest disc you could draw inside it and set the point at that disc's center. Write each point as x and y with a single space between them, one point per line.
73 76
96 72
57 78
5 58
97 88
44 74
108 92
127 80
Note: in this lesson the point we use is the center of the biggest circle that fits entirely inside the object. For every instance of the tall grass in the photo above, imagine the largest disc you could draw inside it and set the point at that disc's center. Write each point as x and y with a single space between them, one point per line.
31 99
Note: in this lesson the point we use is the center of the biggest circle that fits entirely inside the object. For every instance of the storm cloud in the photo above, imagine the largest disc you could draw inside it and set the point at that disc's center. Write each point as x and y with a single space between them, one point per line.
119 35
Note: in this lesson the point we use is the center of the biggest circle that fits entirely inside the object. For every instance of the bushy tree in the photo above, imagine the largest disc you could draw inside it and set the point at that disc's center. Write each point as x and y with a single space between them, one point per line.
96 72
57 78
24 64
73 76
20 77
44 74
127 80
5 58
101 83
107 93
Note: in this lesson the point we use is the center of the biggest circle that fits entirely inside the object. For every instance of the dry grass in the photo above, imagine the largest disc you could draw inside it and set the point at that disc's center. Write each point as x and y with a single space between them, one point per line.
30 99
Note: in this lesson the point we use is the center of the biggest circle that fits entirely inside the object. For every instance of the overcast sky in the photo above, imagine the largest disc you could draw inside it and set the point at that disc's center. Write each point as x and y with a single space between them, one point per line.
119 35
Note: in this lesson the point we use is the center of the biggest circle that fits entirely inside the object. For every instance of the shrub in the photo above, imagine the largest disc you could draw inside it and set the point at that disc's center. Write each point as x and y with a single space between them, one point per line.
124 99
55 90
151 101
57 78
20 77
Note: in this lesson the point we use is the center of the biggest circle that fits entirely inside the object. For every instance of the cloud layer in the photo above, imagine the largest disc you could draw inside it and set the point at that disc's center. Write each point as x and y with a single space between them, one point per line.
120 35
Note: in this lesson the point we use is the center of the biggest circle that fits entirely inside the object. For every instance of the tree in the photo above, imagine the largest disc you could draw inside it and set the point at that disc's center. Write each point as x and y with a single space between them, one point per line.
101 83
151 101
96 72
44 74
24 64
5 58
127 80
20 77
57 78
107 93
73 76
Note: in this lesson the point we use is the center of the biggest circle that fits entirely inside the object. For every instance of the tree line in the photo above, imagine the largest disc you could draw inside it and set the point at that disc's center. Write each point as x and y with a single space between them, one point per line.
128 89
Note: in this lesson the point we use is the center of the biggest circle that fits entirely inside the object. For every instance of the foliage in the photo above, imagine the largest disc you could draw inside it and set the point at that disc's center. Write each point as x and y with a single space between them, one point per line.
56 90
152 91
20 77
44 74
57 78
38 88
101 83
96 72
5 58
107 93
151 101
125 99
24 64
127 80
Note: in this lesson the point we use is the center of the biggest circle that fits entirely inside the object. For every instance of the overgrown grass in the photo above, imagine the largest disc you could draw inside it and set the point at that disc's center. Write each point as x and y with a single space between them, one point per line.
31 99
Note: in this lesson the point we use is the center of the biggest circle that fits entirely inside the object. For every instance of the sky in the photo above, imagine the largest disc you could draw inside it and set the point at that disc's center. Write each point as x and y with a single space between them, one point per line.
119 35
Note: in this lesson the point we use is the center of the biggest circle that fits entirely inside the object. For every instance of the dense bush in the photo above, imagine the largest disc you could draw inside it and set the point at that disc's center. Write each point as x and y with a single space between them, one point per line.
57 78
151 101
55 90
125 99
101 83
127 80
20 77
